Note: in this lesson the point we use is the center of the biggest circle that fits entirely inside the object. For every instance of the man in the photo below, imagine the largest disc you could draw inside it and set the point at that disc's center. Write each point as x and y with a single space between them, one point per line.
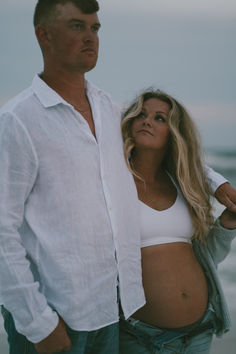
68 213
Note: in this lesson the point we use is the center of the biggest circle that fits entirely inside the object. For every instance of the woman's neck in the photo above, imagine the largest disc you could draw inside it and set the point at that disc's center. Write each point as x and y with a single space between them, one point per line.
148 165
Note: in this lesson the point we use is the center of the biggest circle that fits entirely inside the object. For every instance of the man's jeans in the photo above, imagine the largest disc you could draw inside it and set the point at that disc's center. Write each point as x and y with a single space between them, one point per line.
102 341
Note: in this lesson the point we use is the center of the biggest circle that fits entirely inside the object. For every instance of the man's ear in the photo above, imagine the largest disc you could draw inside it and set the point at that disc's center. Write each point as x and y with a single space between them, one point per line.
43 35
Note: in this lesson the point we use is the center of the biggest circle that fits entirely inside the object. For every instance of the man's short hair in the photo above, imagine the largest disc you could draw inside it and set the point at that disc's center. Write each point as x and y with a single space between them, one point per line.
45 8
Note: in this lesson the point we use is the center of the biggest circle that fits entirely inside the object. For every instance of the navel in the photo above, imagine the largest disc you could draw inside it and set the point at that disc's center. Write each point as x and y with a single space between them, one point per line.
184 295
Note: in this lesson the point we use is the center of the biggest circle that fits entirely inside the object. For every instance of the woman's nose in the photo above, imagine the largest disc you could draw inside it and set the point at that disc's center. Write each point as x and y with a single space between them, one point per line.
147 120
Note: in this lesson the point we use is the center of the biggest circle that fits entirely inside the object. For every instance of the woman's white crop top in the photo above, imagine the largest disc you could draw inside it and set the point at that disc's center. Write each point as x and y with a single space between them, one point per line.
166 226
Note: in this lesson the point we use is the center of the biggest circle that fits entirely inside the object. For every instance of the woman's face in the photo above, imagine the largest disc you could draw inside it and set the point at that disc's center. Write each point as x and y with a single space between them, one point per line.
150 128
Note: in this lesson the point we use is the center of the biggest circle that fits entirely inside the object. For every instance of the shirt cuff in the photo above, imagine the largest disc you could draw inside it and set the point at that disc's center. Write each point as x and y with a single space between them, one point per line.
225 232
42 326
215 179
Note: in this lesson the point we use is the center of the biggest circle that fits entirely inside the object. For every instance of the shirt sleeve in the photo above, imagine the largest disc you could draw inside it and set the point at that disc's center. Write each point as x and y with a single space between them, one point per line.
215 179
19 292
219 241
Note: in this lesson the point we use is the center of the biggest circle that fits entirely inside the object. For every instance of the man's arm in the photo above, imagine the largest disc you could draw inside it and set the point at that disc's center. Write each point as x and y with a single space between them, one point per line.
19 292
221 189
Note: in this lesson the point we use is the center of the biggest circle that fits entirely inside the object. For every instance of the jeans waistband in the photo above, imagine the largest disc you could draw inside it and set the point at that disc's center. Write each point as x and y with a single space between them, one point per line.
157 341
160 336
208 315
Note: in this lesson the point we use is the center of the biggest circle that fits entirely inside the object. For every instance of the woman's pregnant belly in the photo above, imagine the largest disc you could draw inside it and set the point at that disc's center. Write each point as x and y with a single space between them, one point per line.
175 286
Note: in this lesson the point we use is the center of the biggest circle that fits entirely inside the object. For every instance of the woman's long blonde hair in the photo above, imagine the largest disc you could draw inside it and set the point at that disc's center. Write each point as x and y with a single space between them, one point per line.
183 159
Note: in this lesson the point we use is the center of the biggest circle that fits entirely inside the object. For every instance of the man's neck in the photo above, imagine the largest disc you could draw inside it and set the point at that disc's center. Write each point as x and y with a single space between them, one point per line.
72 89
69 86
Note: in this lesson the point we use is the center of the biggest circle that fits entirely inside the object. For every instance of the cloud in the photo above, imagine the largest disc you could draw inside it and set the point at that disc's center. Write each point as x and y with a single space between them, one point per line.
216 122
210 8
16 5
214 113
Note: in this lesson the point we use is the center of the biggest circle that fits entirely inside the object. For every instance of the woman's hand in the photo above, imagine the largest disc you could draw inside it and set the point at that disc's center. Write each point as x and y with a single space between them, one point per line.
226 195
228 219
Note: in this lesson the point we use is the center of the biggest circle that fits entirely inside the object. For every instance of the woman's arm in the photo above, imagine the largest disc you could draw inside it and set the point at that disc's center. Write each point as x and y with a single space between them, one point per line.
226 195
221 236
221 189
228 219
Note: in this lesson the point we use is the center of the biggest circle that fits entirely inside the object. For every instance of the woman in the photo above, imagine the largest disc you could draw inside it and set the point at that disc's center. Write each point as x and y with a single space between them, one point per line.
180 248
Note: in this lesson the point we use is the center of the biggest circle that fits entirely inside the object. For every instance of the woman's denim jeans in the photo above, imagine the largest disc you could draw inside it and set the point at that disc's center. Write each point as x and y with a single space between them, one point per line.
137 337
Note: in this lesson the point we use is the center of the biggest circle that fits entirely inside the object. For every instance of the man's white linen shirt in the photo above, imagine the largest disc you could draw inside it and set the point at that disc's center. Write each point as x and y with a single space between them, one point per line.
68 214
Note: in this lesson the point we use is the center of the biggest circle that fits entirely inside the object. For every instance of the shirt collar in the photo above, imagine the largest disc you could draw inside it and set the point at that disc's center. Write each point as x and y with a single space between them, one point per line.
49 98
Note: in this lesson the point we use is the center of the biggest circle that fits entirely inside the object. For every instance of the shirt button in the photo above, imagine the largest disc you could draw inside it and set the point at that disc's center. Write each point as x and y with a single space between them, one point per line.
116 237
110 207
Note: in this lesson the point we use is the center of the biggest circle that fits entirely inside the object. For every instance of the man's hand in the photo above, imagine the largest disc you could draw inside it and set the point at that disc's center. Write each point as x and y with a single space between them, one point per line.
226 195
57 341
228 219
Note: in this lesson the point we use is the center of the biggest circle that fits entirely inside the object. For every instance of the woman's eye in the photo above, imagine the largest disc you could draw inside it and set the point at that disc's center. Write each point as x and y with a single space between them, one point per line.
141 115
160 118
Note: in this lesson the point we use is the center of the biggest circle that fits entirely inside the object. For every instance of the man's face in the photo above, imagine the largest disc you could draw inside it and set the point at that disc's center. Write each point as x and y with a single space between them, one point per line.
73 38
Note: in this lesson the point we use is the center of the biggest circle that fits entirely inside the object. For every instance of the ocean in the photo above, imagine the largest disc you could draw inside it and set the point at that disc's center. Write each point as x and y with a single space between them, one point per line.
223 162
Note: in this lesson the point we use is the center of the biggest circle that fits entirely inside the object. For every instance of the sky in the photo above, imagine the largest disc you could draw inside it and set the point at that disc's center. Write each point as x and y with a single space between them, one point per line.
184 47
